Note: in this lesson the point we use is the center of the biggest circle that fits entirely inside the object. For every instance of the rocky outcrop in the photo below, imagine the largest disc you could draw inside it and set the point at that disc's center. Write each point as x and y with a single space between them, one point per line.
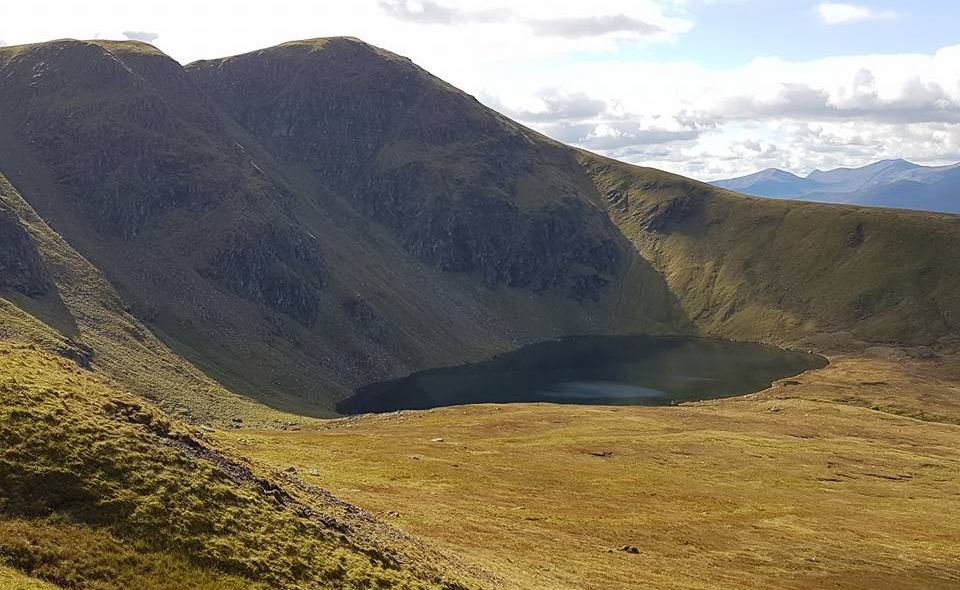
280 267
664 214
559 247
460 187
21 269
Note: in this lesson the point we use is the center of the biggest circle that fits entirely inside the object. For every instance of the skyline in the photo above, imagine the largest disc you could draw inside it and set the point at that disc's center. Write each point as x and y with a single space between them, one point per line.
705 88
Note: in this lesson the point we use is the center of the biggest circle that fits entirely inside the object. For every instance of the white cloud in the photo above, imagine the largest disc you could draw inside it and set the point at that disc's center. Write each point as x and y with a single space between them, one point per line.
712 123
834 13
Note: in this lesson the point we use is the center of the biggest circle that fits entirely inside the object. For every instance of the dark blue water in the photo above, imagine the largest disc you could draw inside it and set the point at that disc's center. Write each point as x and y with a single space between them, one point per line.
607 370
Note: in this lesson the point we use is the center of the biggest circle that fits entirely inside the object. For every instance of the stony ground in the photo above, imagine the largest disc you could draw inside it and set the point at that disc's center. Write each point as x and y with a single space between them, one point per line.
823 481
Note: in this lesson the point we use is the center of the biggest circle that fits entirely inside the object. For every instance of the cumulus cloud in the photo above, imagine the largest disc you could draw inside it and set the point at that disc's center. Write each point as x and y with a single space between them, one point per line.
558 106
591 26
427 12
145 36
722 122
919 102
604 126
835 13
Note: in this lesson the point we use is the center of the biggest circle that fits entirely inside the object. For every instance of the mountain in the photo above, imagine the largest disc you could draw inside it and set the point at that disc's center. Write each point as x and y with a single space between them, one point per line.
891 183
310 231
770 183
247 240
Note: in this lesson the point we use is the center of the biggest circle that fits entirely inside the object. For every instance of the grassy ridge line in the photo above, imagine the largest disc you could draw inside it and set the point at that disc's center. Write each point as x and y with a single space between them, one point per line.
100 490
790 272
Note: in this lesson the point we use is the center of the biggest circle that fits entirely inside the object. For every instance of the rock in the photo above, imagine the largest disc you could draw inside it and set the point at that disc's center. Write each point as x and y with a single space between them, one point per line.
436 440
775 409
393 514
273 265
290 469
602 453
630 549
856 237
667 213
21 268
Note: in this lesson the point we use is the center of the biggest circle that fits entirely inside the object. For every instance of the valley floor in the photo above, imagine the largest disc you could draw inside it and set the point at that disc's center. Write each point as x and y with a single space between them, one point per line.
833 479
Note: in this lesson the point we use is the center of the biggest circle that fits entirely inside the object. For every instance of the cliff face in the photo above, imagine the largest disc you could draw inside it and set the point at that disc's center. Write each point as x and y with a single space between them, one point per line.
122 148
458 186
21 268
305 219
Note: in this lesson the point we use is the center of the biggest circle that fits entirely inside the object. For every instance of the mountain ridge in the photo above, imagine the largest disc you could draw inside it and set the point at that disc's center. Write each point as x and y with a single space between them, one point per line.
895 183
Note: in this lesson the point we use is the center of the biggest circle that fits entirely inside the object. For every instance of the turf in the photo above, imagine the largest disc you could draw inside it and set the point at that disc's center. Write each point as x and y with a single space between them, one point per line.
102 491
797 487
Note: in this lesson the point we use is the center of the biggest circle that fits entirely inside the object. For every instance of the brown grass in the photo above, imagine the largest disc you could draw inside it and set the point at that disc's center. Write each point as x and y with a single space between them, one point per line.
725 494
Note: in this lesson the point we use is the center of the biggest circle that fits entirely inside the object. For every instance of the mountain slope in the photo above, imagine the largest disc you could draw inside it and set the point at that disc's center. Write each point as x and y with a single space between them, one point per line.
101 490
308 218
889 183
784 271
293 267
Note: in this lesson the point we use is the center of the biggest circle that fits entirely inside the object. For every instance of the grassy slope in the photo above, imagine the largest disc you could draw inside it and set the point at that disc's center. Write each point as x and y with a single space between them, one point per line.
783 271
102 491
716 495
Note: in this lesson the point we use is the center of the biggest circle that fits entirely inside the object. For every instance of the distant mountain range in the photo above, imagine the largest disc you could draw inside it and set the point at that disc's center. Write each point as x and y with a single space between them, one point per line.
889 183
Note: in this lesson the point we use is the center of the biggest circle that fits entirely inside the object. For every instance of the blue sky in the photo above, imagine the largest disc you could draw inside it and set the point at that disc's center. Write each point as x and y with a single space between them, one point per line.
706 88
733 33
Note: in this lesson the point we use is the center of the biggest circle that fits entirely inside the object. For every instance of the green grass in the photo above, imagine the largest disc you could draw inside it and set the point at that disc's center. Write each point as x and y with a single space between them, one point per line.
785 271
100 491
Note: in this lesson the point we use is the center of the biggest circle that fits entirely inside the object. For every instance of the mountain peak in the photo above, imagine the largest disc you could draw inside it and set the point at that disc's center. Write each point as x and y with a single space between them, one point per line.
772 180
893 182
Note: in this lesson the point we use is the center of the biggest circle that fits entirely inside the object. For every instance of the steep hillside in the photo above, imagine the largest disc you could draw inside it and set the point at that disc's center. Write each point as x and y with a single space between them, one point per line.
305 219
52 297
102 491
790 272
